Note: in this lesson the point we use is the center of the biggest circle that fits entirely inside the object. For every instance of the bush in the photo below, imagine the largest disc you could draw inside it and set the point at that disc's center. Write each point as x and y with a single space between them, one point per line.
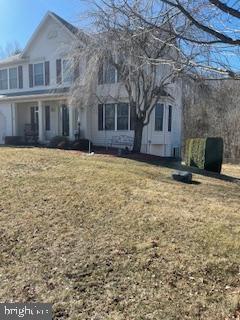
13 140
82 144
205 153
59 142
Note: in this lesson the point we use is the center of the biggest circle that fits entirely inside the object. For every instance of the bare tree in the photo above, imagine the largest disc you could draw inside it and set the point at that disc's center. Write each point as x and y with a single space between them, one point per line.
10 49
209 29
147 63
212 109
150 44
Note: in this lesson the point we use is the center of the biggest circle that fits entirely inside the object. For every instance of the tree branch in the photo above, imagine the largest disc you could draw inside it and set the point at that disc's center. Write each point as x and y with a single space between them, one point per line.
222 6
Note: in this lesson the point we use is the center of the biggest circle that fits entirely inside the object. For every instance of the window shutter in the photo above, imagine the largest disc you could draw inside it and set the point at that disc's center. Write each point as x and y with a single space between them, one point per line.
59 71
169 118
76 69
47 118
30 70
100 117
47 73
20 77
132 117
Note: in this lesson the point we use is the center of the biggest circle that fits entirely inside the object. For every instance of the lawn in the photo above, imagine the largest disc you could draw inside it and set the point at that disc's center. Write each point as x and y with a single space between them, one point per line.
106 238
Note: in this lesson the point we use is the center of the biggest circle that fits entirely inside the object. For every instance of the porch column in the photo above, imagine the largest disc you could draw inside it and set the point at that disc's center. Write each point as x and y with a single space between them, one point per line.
71 123
40 122
14 119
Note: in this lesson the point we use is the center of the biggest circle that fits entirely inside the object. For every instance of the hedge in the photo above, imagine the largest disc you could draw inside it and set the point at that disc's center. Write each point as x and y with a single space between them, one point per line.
13 140
205 153
82 145
59 142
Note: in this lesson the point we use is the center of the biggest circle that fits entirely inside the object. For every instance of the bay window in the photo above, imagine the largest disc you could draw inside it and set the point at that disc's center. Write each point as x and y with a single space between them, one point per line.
159 111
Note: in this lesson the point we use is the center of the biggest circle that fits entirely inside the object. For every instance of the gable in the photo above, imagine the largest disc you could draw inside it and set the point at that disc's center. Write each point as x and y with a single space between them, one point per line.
52 38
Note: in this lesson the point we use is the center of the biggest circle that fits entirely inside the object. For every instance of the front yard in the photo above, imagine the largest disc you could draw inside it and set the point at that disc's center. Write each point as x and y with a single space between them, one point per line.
106 238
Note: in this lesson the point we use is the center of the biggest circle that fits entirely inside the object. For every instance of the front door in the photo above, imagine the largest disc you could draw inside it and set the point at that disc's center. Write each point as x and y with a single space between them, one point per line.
65 120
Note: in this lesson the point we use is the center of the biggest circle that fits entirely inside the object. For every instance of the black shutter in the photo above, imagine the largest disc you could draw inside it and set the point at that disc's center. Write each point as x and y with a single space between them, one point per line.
47 118
47 73
169 118
100 117
30 70
59 71
20 77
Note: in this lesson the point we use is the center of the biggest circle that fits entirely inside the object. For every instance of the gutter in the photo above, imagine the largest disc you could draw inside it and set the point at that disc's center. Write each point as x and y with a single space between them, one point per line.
33 97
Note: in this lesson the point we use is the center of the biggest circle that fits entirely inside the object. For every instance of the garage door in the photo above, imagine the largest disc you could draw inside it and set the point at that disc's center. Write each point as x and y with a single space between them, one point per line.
2 128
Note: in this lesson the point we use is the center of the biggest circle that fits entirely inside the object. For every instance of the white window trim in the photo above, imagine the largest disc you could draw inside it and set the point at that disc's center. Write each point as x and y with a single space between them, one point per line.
62 73
115 118
39 85
123 130
9 78
165 118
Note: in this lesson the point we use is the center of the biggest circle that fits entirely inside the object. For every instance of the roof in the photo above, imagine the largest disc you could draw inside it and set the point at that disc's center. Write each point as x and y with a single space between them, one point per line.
70 27
16 57
74 30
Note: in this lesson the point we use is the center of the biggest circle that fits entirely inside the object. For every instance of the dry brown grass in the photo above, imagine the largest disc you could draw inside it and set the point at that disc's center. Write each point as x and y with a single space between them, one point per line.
115 239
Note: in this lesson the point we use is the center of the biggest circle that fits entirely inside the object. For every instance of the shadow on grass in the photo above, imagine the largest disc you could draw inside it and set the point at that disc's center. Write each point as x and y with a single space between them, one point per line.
169 162
175 164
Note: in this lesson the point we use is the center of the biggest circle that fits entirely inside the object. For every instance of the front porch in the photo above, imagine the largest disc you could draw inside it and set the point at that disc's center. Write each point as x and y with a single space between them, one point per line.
40 120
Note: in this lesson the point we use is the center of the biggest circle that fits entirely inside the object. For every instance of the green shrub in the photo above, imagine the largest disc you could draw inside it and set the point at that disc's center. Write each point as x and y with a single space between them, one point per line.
59 142
205 153
81 144
13 140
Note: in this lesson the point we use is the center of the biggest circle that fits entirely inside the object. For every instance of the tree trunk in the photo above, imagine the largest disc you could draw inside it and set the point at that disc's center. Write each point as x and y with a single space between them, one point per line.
138 131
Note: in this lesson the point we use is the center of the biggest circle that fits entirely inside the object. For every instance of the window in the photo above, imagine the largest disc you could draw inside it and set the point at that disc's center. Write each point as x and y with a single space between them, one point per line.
13 78
38 74
47 118
67 71
4 79
106 73
159 117
122 116
109 73
110 117
169 118
100 117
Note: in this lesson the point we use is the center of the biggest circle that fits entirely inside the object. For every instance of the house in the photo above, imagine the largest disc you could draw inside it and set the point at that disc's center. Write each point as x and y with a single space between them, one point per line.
34 98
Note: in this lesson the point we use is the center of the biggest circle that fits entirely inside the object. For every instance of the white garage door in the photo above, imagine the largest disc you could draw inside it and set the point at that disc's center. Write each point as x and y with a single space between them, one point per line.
2 128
